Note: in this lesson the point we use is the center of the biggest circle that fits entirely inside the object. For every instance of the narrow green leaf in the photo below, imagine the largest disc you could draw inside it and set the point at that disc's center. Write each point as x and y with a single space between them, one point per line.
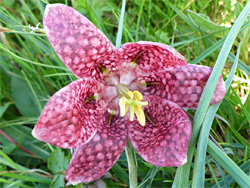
13 183
199 165
184 17
33 92
233 169
8 161
26 33
223 176
242 140
233 69
205 24
208 51
31 15
98 22
139 20
149 178
27 178
4 108
245 168
120 28
31 62
243 108
212 171
121 173
23 97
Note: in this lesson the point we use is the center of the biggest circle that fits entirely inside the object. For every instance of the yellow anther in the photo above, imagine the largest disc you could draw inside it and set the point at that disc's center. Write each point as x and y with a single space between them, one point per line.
135 106
138 95
140 115
123 106
130 94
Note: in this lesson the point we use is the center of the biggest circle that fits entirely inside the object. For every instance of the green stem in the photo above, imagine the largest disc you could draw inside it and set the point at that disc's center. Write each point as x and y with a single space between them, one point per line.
131 166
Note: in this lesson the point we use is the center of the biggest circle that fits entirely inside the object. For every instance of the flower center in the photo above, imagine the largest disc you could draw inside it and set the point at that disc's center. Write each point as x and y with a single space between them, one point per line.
133 99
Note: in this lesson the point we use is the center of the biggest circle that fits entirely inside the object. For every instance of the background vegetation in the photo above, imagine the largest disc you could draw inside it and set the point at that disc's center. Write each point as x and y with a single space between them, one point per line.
31 72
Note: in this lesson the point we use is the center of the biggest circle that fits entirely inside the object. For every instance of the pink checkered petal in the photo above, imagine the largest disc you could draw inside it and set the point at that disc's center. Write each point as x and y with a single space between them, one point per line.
108 65
69 119
165 142
92 160
183 85
167 47
150 56
77 42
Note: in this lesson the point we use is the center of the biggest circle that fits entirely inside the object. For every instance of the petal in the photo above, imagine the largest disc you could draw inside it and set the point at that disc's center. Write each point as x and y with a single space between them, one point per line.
151 56
92 160
77 42
70 118
137 59
167 47
163 142
183 85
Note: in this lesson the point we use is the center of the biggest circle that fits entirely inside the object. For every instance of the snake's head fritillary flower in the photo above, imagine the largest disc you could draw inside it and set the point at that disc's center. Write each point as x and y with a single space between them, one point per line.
136 92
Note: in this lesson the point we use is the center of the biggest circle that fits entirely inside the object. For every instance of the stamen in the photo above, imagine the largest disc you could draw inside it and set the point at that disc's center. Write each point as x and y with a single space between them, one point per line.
111 115
135 106
123 106
136 58
132 111
90 99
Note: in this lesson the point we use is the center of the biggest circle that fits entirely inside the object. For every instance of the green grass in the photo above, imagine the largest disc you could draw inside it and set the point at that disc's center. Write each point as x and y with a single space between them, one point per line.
31 72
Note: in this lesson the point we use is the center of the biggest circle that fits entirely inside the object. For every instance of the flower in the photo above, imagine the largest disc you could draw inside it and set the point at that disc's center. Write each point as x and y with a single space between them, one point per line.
152 79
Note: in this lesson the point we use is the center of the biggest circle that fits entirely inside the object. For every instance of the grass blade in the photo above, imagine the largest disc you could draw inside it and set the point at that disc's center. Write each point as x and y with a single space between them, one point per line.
230 180
121 173
234 170
27 178
212 171
139 20
149 178
13 183
199 165
242 65
31 62
120 28
223 176
5 159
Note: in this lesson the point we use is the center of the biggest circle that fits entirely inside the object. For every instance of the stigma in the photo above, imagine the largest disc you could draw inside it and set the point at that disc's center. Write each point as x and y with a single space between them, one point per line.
133 100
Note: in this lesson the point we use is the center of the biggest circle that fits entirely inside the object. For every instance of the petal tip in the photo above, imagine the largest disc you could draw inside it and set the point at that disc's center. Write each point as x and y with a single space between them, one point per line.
47 14
74 182
183 161
48 7
33 133
55 6
220 91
